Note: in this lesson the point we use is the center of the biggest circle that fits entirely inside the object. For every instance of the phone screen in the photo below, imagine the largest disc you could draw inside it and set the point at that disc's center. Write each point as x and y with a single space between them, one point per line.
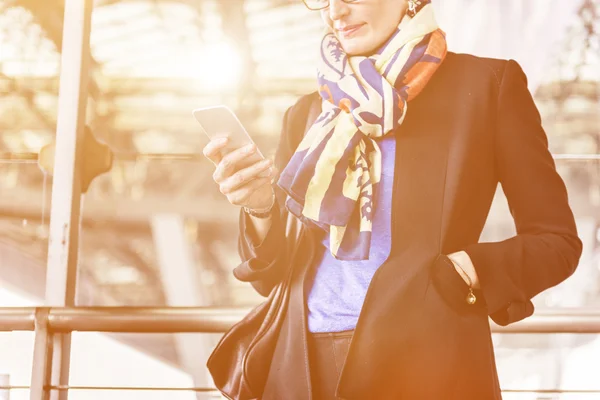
220 121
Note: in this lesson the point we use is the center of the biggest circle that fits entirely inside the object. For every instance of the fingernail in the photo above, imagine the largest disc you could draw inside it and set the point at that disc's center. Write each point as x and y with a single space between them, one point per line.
222 140
249 148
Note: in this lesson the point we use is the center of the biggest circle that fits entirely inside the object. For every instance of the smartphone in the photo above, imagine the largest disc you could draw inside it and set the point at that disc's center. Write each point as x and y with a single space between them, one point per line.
220 121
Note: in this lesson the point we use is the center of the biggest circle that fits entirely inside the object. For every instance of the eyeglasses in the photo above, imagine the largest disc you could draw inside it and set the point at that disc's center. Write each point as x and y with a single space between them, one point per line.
316 5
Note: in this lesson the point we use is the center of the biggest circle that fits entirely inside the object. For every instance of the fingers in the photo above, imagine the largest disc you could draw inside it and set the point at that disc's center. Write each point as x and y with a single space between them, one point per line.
227 165
239 197
246 175
272 173
212 150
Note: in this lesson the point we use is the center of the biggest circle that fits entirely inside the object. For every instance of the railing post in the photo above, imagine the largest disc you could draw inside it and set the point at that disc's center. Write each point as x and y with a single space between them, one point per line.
41 370
63 242
4 382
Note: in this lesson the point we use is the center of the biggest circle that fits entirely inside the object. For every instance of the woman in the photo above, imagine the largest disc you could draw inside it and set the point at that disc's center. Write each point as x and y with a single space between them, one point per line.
393 181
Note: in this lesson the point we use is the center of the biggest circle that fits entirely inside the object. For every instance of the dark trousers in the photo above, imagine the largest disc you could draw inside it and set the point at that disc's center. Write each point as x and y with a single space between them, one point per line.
327 353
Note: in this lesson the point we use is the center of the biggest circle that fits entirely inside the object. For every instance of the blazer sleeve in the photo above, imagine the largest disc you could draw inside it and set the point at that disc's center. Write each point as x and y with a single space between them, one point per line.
264 264
546 248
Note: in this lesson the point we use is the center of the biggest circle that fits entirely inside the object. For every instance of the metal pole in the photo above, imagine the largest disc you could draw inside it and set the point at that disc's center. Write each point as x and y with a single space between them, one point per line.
42 358
220 319
17 319
4 382
61 275
145 320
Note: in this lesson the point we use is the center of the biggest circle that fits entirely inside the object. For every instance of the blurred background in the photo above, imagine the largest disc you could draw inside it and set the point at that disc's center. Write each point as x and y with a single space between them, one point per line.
155 229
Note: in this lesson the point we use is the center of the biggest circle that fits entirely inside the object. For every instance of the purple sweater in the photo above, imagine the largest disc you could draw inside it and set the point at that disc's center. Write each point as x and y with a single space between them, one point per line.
339 287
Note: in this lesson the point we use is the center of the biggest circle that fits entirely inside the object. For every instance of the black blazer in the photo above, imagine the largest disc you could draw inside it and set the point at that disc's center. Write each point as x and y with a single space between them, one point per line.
474 125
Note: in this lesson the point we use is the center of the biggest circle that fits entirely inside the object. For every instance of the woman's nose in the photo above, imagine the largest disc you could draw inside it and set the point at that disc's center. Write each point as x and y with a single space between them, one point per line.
338 9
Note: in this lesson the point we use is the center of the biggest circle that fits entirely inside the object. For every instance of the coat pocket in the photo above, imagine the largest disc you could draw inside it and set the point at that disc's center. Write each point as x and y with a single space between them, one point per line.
452 288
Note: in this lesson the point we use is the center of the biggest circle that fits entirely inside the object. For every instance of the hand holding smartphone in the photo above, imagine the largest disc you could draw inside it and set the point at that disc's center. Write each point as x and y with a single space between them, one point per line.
220 121
243 173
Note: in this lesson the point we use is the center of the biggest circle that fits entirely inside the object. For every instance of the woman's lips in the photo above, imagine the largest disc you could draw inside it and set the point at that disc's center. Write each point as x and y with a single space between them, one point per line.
349 31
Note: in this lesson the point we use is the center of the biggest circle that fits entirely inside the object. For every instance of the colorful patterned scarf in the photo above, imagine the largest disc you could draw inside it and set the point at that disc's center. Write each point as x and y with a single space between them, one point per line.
329 179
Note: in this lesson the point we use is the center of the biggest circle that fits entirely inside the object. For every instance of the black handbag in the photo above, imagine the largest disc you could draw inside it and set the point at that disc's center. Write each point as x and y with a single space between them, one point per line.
241 361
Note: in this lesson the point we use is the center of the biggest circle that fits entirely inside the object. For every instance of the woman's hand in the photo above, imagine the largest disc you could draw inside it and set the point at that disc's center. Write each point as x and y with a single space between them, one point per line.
246 187
464 266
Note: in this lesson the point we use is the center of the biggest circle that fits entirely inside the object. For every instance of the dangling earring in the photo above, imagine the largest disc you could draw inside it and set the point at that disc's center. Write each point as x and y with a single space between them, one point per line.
413 7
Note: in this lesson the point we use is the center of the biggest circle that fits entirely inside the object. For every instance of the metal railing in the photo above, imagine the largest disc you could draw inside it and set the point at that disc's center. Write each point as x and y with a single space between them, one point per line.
47 321
220 319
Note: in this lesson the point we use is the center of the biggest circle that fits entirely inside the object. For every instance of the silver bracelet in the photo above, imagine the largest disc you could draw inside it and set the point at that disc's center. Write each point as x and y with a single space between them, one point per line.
261 213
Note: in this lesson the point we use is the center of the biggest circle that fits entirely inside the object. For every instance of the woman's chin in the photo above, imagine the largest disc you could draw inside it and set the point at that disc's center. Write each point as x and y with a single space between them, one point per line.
359 46
355 49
